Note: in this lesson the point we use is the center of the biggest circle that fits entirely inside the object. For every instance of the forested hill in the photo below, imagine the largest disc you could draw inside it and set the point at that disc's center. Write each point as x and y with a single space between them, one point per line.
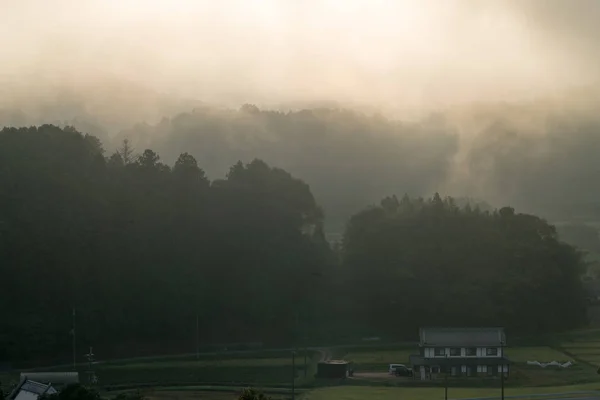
348 158
140 249
538 156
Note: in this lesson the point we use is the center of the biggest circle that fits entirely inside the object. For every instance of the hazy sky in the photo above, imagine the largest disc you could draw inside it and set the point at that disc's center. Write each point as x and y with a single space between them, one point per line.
394 51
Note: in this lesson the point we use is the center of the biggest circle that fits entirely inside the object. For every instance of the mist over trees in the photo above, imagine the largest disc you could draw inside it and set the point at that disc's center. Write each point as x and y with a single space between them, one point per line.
349 159
142 248
536 156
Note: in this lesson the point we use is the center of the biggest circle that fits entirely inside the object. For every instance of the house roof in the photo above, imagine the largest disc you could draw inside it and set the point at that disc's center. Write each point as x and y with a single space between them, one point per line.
36 387
30 390
462 337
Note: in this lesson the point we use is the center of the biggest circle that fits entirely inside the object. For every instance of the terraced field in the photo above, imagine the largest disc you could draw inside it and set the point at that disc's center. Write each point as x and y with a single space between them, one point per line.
584 346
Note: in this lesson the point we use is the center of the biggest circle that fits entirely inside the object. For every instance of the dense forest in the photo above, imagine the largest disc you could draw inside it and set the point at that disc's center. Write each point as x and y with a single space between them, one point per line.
538 157
141 250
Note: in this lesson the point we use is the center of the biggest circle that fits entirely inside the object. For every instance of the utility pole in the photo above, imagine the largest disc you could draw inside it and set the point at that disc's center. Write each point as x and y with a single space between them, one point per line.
74 340
502 369
446 379
90 358
305 360
197 337
293 374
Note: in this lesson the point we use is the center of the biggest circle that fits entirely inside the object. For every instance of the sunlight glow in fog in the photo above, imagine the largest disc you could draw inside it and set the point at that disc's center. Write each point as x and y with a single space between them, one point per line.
402 51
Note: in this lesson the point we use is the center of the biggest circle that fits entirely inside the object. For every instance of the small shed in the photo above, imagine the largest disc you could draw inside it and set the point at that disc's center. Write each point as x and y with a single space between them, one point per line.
332 369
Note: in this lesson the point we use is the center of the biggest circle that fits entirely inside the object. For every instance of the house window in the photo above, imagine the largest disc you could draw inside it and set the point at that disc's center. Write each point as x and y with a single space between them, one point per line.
435 370
455 351
471 351
440 352
491 370
491 351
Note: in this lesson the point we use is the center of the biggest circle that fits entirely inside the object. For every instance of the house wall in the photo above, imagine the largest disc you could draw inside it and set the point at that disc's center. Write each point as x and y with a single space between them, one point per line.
429 352
436 372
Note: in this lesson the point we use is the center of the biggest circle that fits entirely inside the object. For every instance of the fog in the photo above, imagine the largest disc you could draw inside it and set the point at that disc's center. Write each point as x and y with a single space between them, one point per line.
516 80
422 53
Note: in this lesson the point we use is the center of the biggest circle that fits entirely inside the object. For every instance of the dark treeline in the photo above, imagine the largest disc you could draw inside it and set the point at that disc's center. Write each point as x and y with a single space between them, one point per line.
332 150
140 249
538 157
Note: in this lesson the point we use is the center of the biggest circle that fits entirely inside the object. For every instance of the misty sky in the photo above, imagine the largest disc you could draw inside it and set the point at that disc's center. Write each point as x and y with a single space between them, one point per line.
396 51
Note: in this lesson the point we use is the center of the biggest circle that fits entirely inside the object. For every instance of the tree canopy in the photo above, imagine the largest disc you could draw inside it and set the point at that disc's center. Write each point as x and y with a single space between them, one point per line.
427 261
140 249
137 250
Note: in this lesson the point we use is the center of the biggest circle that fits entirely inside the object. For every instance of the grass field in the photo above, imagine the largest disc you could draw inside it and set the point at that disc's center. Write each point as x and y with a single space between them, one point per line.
387 393
538 353
261 368
378 360
258 371
584 347
274 369
234 362
177 395
206 392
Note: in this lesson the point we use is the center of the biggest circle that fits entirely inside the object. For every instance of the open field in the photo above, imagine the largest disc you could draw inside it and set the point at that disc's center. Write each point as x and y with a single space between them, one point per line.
234 362
177 395
387 393
274 369
247 371
378 361
584 346
252 369
539 353
206 392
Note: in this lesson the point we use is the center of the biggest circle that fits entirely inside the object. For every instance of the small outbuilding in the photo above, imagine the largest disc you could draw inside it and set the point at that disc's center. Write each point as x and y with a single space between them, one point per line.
332 369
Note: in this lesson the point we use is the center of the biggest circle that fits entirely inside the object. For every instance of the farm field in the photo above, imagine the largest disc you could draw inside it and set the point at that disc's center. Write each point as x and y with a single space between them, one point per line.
378 360
274 369
584 346
205 392
177 395
387 393
247 371
258 369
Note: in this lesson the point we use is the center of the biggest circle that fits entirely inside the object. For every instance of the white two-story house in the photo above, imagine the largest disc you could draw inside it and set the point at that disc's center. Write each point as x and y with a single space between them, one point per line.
460 352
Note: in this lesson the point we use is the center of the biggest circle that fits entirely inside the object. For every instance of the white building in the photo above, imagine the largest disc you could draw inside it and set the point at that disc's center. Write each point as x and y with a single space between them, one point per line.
460 352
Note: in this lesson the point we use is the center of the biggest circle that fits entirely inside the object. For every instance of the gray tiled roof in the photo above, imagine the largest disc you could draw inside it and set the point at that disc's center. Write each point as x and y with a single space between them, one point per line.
28 389
462 337
36 387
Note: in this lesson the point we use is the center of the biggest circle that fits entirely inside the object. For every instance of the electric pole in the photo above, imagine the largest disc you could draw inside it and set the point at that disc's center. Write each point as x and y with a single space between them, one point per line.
446 379
197 337
90 357
293 374
74 340
502 369
305 351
